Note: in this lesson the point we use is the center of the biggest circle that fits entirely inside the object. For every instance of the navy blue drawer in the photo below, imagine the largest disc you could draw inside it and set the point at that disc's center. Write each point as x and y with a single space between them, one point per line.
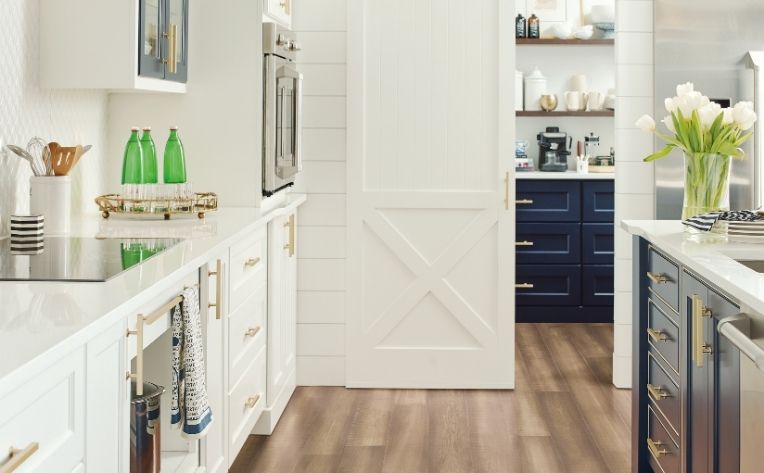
598 246
598 286
599 201
551 285
548 201
550 243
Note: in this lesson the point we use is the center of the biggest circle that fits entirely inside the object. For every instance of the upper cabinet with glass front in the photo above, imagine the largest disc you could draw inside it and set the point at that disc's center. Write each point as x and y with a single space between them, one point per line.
125 45
278 11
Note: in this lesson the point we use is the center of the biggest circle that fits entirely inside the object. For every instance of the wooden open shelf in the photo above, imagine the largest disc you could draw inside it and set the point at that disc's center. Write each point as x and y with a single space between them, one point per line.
564 42
598 113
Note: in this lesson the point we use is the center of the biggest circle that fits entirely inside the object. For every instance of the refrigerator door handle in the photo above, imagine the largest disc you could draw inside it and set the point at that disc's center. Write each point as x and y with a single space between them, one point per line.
755 60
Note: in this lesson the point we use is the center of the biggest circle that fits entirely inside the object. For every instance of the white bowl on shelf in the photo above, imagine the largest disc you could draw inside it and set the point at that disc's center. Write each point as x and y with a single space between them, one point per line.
584 32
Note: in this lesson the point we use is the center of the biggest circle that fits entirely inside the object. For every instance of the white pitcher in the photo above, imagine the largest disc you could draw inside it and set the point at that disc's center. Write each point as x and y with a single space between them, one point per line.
575 101
595 100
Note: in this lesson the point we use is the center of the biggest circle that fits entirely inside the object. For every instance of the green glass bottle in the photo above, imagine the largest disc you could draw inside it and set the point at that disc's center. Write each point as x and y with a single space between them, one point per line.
149 157
132 163
174 159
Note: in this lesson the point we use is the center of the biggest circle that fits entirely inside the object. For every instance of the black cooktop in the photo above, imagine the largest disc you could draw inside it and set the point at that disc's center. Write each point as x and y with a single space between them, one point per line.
77 259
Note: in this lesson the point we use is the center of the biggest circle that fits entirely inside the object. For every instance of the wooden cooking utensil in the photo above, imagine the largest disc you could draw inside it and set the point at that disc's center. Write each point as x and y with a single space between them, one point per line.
63 158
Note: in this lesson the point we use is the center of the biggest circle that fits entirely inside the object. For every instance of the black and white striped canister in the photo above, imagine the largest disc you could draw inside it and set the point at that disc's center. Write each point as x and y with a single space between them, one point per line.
27 234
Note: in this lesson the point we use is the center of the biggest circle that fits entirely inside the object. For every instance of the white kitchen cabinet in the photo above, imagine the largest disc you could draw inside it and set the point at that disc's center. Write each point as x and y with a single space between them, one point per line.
108 394
43 420
278 11
213 279
131 45
282 318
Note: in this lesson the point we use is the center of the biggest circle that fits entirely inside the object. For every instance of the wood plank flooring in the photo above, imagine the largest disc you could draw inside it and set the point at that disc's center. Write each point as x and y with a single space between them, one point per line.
563 417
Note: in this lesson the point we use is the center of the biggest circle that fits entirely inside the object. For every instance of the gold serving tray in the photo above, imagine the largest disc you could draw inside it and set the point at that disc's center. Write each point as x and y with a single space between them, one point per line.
154 209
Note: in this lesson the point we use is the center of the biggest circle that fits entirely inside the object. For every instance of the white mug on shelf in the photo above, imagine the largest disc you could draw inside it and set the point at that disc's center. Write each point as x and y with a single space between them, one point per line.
575 101
578 83
594 101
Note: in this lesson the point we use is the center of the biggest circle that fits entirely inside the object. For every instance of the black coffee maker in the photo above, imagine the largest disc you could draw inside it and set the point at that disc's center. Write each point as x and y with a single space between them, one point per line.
554 149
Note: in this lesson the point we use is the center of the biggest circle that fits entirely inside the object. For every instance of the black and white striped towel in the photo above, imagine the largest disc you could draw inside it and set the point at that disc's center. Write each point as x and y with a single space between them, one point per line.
704 222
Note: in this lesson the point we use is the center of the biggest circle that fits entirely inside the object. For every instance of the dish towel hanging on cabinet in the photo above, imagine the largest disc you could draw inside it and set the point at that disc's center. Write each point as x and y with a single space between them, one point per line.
190 408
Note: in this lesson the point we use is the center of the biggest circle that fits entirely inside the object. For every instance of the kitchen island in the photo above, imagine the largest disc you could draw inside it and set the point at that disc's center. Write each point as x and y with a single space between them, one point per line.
70 349
697 318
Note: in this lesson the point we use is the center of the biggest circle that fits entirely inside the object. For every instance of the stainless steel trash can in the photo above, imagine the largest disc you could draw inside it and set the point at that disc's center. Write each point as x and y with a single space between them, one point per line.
145 432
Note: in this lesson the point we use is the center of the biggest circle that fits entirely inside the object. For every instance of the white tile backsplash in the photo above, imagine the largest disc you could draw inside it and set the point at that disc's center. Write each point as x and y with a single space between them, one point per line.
622 333
633 207
324 144
321 274
622 308
320 307
320 15
324 209
634 145
321 242
634 80
321 47
629 109
634 178
635 15
320 339
634 48
327 177
623 268
321 370
323 112
26 110
323 79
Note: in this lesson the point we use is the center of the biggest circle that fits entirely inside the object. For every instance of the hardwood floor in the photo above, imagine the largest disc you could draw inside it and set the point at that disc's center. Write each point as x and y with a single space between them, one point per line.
564 416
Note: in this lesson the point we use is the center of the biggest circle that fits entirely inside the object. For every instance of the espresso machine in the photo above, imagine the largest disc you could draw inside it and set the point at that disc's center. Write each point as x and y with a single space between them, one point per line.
554 149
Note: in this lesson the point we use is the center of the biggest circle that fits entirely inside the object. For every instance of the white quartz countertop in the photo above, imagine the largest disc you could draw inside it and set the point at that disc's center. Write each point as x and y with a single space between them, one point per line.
567 175
712 261
43 318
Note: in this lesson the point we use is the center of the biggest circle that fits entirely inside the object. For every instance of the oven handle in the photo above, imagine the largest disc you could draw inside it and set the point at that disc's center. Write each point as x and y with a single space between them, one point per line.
734 329
297 151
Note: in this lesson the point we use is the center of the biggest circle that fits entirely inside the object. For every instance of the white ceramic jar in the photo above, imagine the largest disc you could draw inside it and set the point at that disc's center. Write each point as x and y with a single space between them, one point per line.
518 91
51 196
535 87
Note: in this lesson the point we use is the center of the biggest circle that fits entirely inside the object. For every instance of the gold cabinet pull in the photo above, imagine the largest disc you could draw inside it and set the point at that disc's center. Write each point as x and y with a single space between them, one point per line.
173 64
524 202
524 285
17 457
524 243
657 335
290 225
657 393
251 332
252 401
699 346
656 448
506 191
657 278
218 273
251 262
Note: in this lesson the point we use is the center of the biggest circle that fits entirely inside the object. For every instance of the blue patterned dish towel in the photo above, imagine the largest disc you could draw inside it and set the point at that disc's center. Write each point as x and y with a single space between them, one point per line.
190 407
705 222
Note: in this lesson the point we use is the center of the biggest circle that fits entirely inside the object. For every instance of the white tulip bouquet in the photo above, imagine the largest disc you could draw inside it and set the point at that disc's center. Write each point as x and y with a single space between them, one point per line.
709 136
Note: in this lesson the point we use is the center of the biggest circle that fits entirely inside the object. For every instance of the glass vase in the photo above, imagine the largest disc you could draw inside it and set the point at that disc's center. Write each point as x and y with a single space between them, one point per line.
706 184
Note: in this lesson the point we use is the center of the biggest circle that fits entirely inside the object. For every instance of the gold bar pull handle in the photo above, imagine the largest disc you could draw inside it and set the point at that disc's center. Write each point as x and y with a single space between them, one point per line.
524 243
506 191
218 273
140 324
657 335
290 245
656 448
173 59
657 278
657 393
699 346
17 457
251 402
524 202
524 285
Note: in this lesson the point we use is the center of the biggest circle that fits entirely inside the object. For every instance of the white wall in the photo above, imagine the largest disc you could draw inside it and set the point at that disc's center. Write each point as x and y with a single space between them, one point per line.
570 12
635 183
26 110
321 27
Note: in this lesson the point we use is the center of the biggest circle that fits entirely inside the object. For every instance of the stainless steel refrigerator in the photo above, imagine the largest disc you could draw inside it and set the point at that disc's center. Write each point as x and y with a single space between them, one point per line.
709 42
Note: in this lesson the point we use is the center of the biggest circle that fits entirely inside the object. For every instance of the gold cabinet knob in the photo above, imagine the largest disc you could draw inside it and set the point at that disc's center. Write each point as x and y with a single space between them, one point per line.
252 401
657 335
251 262
657 393
524 243
251 332
524 285
657 278
656 448
524 202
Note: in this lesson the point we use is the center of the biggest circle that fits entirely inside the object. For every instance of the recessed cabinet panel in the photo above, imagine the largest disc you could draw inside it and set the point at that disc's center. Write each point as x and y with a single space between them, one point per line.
597 243
551 285
553 243
599 201
548 201
597 283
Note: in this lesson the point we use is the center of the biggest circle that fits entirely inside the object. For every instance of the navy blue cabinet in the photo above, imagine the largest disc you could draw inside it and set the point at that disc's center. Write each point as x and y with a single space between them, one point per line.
548 201
564 251
686 376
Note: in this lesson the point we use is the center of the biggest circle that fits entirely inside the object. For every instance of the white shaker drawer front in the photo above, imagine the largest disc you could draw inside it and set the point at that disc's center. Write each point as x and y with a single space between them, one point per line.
245 404
246 333
248 266
43 420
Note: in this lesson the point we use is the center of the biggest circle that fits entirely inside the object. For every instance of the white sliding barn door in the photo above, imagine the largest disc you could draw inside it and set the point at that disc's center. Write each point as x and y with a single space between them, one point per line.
431 237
